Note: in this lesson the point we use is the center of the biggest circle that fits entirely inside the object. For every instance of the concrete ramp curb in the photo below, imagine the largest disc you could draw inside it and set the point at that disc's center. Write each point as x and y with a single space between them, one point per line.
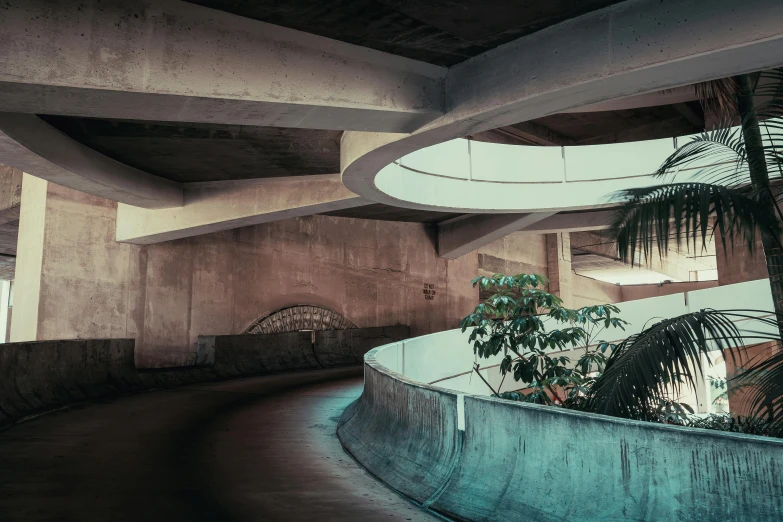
37 377
518 461
403 434
40 376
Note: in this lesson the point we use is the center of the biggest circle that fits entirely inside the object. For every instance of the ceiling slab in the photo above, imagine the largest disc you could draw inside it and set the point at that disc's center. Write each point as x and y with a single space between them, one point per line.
440 32
194 152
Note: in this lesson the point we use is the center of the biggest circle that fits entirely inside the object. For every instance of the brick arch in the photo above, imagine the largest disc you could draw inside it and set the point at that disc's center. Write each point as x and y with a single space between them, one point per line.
299 317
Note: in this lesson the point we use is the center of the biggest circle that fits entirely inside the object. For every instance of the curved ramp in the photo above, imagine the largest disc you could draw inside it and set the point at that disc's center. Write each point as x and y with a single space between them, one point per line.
261 448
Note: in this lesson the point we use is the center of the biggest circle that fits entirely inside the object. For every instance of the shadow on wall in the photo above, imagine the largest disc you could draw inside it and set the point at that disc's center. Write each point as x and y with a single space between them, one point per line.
42 376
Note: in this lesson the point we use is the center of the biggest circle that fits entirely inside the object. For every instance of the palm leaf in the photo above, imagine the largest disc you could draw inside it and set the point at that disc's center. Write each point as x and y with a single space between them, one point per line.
718 96
651 216
715 157
643 368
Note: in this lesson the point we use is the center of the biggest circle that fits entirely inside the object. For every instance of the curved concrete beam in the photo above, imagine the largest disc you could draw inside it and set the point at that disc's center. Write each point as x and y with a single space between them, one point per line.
169 60
211 207
32 145
631 48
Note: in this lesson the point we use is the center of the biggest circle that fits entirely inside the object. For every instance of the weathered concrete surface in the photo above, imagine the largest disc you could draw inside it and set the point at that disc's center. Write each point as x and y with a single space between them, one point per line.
32 145
464 235
244 450
175 61
41 376
342 347
736 264
10 199
165 295
403 433
631 48
547 464
561 276
236 355
224 206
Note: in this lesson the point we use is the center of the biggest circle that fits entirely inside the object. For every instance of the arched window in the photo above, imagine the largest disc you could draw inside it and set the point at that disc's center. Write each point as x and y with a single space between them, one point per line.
298 318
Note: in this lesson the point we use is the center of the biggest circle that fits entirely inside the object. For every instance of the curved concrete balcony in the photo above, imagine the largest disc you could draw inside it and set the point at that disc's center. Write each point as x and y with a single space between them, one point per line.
471 176
434 435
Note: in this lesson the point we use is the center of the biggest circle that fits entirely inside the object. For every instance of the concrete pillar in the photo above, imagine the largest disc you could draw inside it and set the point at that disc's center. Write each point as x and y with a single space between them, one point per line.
737 264
558 256
32 216
5 293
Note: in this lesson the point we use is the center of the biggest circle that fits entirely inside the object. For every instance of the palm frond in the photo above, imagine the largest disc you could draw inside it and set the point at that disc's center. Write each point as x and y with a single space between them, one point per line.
643 369
718 96
716 157
650 217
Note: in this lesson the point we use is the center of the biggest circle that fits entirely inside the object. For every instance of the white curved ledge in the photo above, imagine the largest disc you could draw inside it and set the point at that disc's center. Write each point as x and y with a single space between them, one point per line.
623 50
32 145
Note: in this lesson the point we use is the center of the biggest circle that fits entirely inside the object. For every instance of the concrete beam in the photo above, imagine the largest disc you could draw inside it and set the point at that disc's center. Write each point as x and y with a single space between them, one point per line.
222 206
625 49
177 61
675 264
35 147
462 235
571 222
527 132
629 48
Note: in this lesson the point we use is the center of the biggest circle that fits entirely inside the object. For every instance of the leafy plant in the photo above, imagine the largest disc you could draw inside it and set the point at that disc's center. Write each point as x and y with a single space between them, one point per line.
528 326
738 424
718 181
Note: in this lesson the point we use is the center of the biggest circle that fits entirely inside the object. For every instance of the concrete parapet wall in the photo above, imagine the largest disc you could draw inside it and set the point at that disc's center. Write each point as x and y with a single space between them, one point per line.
516 461
37 377
553 464
41 376
404 434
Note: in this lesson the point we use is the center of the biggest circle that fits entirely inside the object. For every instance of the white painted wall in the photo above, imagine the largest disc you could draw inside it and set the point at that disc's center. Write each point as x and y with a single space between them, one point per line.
440 355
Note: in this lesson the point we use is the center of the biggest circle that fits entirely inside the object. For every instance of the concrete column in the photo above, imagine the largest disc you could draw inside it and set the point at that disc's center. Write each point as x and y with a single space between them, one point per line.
558 256
5 293
736 264
32 216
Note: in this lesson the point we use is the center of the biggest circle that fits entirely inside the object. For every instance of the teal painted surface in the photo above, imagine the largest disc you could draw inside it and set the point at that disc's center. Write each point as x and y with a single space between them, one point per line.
533 463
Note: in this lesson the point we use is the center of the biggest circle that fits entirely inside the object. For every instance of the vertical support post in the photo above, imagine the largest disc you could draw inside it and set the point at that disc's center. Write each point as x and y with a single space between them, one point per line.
29 260
5 294
558 256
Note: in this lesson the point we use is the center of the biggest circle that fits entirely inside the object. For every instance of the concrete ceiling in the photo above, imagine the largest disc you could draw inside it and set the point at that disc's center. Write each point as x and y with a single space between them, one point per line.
441 32
601 127
197 152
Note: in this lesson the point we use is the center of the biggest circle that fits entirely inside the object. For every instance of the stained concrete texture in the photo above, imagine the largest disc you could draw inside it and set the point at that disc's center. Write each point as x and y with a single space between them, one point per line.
518 461
406 435
250 449
41 376
87 285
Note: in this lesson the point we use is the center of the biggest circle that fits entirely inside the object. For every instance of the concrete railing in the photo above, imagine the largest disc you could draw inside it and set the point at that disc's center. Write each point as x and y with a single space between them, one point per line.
472 457
37 377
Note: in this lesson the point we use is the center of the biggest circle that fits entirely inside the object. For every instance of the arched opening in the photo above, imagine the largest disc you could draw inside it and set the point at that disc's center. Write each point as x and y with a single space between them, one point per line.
298 318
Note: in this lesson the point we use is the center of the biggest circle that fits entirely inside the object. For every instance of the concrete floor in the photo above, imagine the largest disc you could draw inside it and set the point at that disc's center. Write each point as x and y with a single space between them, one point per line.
249 449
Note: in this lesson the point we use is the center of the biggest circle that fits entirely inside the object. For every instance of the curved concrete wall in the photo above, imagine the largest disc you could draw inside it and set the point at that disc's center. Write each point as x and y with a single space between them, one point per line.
37 377
553 464
403 433
518 461
41 376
